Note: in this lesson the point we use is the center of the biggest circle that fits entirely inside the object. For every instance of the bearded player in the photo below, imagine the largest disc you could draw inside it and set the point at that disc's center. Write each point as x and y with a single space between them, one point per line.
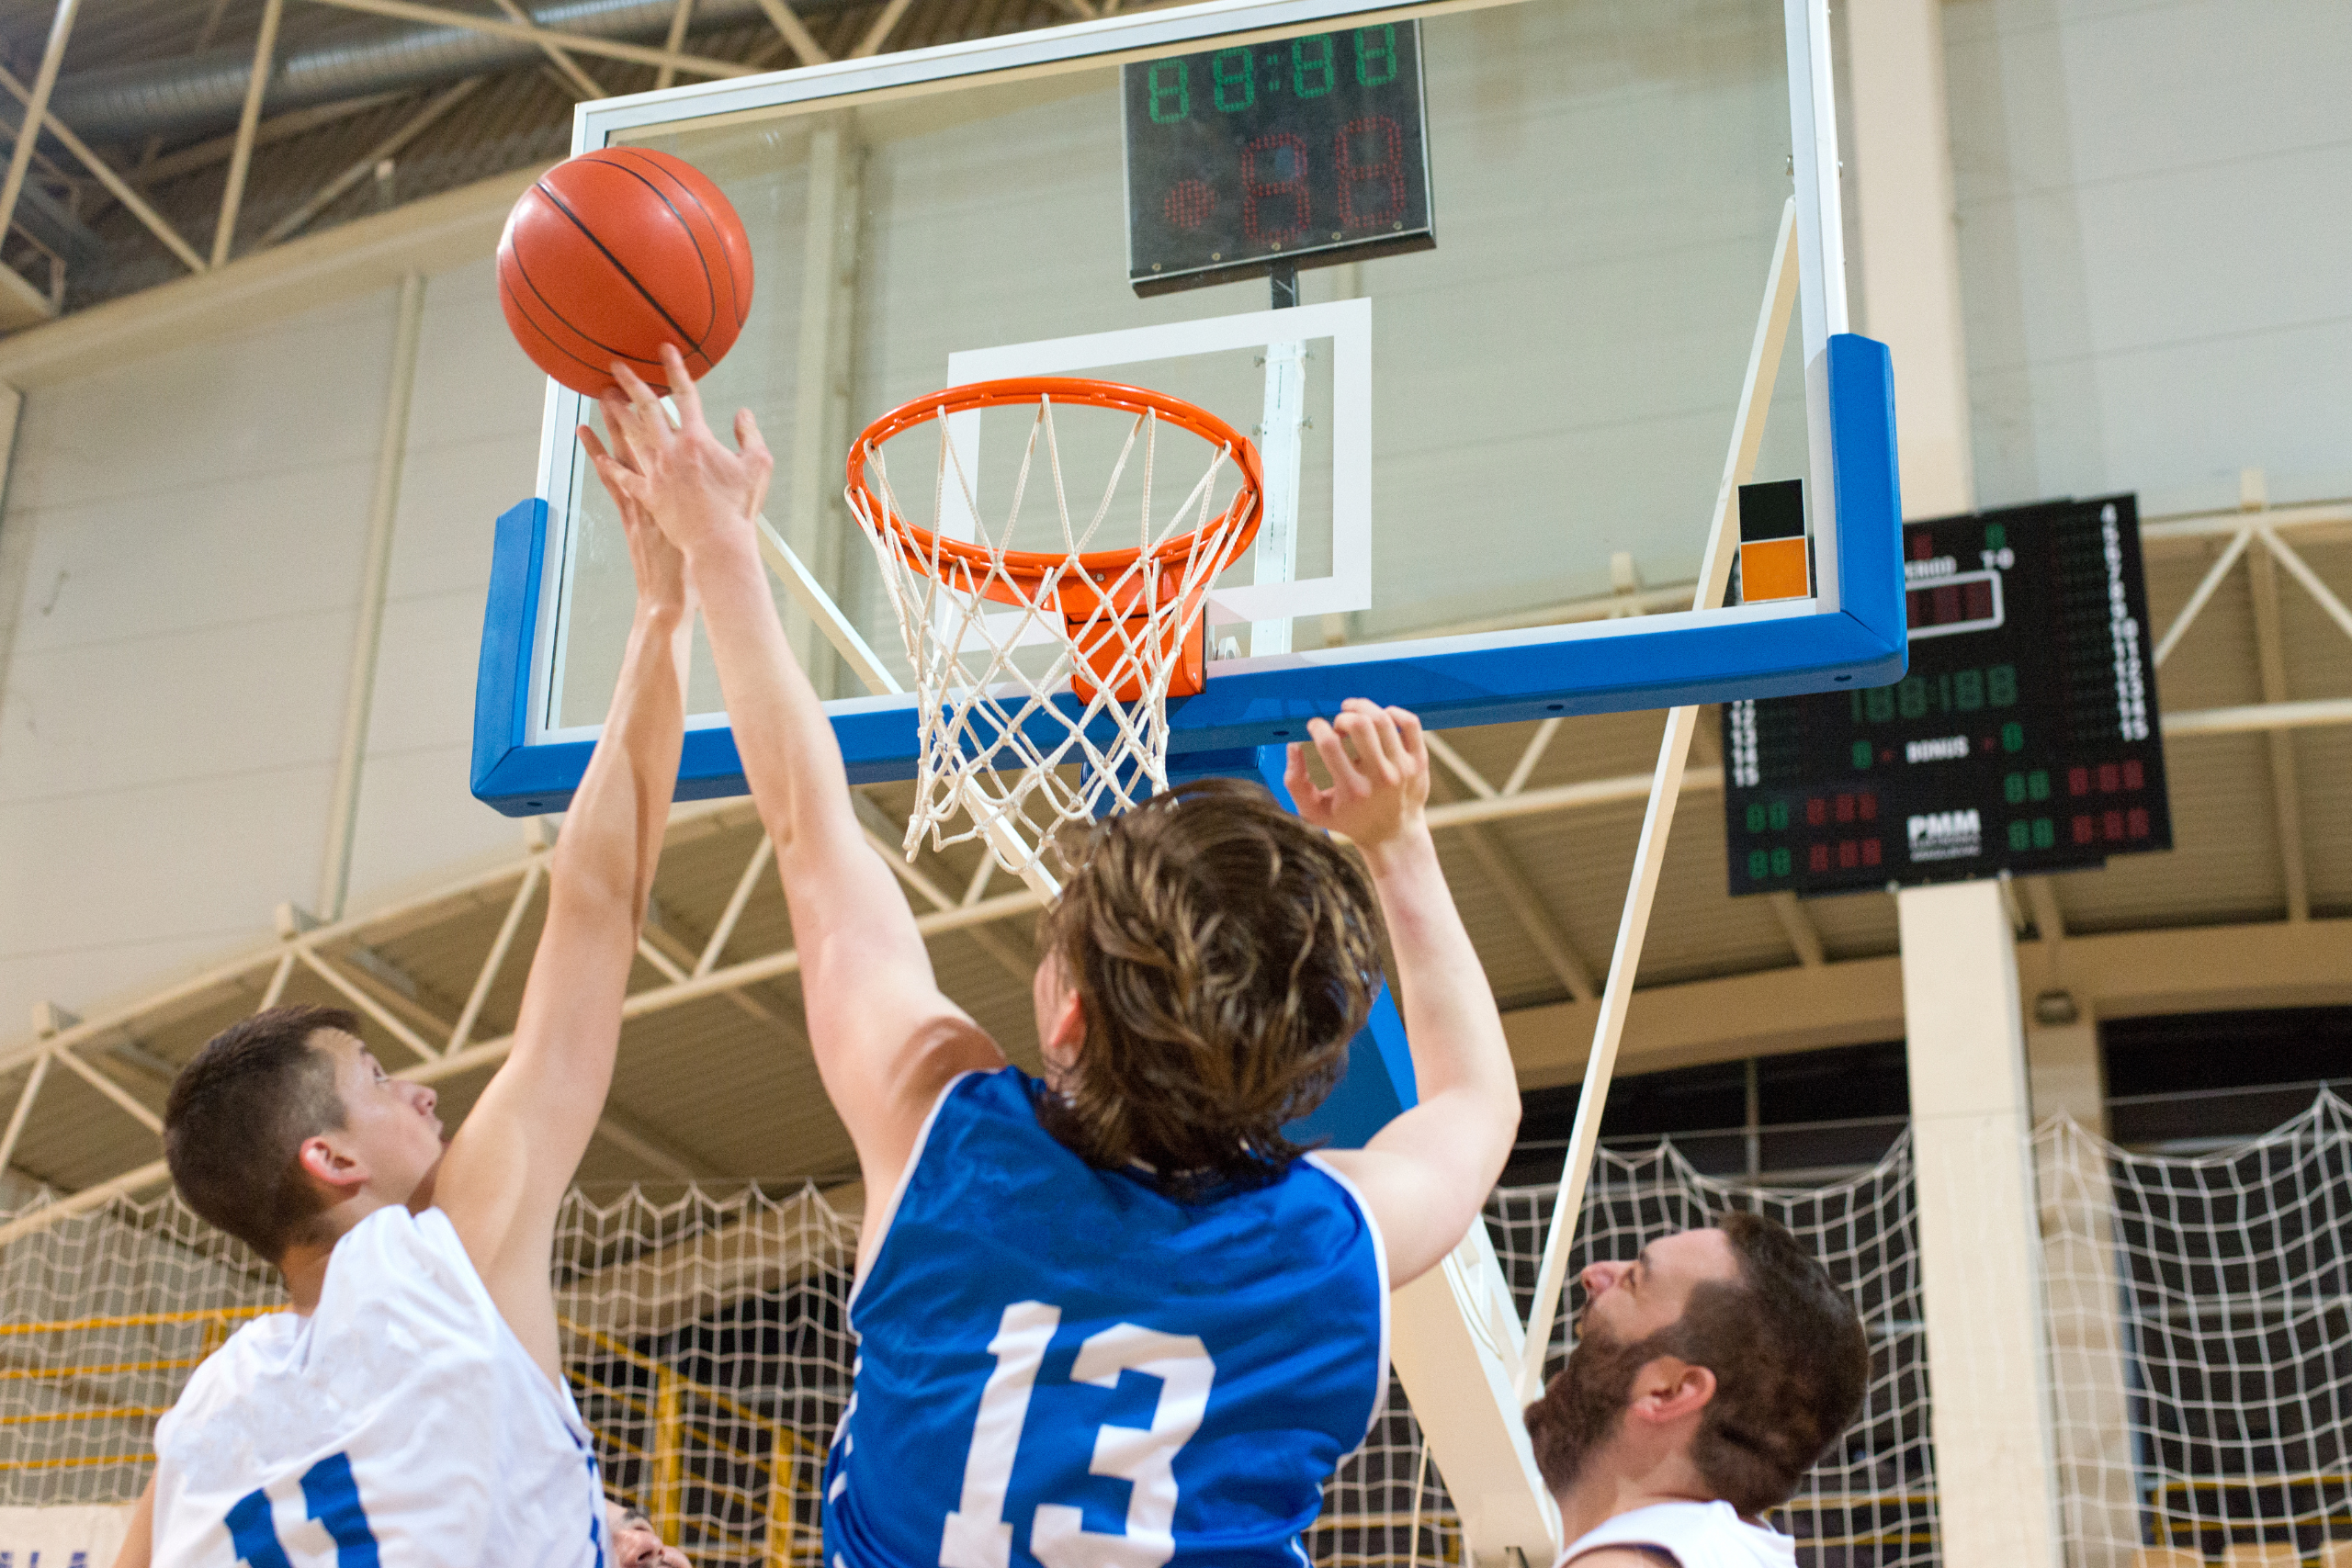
411 1407
1709 1375
1114 1317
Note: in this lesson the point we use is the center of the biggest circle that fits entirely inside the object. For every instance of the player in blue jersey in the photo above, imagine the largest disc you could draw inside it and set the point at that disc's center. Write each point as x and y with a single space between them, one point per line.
1110 1317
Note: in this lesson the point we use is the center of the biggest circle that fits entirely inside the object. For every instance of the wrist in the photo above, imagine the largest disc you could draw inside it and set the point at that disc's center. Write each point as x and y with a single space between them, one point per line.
1408 848
721 549
661 617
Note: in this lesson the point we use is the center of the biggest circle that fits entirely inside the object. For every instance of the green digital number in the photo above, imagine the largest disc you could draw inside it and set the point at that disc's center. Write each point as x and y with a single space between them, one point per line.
2013 736
1880 700
1861 753
2037 784
2001 685
1764 818
1911 696
1968 690
1313 71
2013 791
1782 863
2040 833
1169 80
1995 536
1759 864
1376 55
1237 87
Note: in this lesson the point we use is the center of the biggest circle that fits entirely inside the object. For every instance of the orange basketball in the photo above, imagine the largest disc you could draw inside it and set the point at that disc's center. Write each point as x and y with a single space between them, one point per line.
613 254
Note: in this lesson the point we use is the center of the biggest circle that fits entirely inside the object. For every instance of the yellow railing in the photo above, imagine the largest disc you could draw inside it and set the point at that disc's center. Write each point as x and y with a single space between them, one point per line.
786 1543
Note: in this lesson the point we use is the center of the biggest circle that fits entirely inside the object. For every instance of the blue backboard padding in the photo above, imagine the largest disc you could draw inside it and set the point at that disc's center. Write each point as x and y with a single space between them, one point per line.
1379 1080
1378 1085
509 623
1862 644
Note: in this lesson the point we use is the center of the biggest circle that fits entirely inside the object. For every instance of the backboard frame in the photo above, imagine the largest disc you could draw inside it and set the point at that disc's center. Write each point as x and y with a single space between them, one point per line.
1851 632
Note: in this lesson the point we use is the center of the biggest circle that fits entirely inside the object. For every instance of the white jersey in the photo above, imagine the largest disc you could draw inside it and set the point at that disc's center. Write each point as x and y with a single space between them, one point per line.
1695 1535
400 1424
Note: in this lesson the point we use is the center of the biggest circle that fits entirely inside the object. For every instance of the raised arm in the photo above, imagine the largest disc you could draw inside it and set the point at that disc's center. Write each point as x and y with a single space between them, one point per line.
508 1167
886 1039
1426 1173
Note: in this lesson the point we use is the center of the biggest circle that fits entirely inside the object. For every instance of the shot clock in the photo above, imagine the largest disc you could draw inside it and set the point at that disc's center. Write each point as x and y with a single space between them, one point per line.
1308 150
2024 737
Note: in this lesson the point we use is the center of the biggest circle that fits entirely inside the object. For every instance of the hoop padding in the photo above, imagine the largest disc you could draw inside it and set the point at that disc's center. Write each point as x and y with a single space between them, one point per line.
1121 612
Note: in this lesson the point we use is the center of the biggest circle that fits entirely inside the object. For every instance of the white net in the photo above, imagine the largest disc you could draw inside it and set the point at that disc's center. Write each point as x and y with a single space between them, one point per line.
1871 1500
1041 684
2201 1345
2200 1351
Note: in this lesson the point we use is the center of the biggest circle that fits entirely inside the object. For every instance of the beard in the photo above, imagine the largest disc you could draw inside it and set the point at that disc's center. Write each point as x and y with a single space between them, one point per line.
1584 1405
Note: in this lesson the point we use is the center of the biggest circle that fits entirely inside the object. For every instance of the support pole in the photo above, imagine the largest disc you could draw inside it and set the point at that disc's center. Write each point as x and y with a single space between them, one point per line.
342 818
1979 1247
1666 791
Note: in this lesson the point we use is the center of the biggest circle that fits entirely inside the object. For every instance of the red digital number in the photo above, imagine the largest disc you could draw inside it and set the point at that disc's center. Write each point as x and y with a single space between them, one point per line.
1380 172
1291 187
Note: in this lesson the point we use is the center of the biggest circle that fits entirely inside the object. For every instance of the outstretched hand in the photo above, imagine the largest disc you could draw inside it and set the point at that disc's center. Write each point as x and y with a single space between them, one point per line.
1380 775
698 492
659 565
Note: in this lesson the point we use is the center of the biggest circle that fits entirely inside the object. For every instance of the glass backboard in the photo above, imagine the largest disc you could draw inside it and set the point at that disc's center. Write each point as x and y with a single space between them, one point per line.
1503 455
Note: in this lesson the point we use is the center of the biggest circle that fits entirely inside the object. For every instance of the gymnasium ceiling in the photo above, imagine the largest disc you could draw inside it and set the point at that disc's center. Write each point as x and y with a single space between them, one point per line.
2251 907
154 89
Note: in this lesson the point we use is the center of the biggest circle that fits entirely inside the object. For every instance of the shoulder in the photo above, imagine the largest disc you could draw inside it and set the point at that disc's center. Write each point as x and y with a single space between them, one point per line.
1686 1534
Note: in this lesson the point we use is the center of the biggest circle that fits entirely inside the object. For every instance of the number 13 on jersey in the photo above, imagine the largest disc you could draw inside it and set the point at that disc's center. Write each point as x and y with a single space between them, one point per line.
978 1534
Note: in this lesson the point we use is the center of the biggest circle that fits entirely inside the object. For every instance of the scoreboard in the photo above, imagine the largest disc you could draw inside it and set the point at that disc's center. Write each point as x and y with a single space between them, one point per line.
1304 152
2023 740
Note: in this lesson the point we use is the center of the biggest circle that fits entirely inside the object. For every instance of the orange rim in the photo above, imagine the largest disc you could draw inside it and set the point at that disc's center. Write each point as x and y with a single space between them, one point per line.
1033 567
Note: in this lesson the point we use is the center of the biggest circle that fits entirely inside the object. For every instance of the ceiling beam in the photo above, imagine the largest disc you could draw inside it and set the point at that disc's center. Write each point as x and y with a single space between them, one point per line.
361 167
114 184
241 156
568 68
578 43
60 28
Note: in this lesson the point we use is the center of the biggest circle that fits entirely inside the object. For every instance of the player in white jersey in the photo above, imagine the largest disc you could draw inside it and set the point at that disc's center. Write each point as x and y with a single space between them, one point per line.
410 1408
1709 1375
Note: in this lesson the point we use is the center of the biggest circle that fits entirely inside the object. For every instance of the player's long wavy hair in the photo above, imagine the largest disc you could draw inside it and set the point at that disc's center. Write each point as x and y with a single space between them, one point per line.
1224 954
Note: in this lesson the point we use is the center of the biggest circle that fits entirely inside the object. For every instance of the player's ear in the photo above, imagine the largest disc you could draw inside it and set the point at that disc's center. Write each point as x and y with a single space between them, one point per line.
1066 1030
340 1170
1669 1388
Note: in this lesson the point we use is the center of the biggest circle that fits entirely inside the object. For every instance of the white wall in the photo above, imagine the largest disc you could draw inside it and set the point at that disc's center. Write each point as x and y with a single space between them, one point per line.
2156 240
187 530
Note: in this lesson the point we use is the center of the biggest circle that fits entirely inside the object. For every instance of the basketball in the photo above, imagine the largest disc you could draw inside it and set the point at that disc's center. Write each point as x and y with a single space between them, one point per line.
614 253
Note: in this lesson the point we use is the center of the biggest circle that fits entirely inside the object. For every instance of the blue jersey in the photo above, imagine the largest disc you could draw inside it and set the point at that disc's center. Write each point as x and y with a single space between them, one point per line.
1059 1366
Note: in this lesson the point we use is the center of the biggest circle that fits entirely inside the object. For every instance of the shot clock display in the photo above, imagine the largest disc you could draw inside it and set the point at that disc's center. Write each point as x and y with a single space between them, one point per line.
1310 150
2023 739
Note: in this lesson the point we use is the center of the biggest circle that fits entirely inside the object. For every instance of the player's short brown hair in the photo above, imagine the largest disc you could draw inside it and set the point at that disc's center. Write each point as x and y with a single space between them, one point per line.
1224 954
237 1117
1791 1364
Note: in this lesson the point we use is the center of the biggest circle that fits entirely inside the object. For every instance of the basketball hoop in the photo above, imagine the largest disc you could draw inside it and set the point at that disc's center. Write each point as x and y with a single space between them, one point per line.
1109 623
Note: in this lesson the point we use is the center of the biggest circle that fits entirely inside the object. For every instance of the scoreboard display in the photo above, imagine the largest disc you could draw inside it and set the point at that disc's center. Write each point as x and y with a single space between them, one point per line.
1306 151
2023 740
